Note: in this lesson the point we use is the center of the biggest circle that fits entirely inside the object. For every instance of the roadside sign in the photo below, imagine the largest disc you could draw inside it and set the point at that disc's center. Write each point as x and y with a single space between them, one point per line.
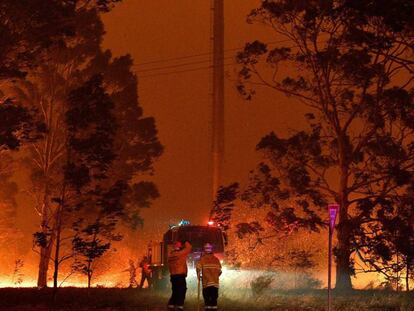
333 212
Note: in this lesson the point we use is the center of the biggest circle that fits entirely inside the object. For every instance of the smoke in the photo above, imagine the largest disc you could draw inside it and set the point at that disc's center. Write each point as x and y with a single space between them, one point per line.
256 284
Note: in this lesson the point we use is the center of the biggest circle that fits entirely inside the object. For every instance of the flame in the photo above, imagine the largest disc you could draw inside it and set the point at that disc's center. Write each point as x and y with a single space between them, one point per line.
106 280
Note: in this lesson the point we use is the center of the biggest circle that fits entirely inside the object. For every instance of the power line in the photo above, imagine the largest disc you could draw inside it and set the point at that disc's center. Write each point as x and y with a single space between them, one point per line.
186 64
178 65
200 54
180 71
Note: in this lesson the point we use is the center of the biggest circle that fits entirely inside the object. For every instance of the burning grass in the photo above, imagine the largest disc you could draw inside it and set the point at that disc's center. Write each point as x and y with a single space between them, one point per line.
133 299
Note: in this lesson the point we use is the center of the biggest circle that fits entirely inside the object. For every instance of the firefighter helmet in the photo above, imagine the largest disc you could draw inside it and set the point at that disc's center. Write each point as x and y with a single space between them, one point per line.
208 248
178 245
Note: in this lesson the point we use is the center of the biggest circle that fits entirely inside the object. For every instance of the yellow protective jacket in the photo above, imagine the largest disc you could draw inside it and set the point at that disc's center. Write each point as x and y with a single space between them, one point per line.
177 260
210 269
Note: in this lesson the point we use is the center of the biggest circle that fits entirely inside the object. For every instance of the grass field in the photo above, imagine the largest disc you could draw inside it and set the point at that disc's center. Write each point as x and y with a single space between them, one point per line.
23 299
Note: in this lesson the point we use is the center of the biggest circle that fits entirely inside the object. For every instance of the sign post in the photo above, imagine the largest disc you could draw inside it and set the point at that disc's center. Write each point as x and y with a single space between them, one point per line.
333 209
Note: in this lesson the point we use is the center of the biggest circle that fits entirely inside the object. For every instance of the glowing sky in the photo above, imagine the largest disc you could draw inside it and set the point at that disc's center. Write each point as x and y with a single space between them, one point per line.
180 102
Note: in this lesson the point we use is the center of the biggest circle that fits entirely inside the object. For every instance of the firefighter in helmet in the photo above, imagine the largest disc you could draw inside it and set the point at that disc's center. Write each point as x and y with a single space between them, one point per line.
145 272
177 264
209 270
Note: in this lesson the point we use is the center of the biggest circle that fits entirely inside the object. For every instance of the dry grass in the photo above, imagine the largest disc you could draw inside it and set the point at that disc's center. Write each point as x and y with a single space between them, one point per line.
132 299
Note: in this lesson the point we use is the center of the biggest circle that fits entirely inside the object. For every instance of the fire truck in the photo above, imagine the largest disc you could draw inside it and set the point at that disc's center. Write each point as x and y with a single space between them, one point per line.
197 235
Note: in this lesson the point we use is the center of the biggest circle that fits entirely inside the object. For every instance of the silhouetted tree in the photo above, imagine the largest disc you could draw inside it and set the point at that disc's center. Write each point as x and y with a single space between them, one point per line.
404 233
9 233
47 87
17 126
27 29
89 249
290 208
350 64
224 205
92 128
387 245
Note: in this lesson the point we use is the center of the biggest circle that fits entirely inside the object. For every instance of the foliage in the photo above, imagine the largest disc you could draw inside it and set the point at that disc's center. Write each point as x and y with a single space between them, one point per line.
17 126
388 248
260 285
307 281
92 127
292 255
349 66
9 234
224 205
90 248
75 61
27 29
290 207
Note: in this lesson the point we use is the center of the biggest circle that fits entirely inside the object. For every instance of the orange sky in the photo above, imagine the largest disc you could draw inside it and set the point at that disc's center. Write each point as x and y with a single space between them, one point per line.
180 102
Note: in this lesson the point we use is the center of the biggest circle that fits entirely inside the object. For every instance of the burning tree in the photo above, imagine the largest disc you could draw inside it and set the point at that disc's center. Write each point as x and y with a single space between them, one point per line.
351 67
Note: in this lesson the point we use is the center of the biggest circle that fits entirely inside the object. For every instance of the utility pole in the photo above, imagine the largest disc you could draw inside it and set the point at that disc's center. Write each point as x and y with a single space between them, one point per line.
217 94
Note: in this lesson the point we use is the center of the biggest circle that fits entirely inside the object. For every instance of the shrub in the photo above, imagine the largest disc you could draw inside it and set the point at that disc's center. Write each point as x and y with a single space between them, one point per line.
260 284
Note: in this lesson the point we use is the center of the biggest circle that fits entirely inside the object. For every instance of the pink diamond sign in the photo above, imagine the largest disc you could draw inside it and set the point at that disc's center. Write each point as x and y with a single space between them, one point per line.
333 211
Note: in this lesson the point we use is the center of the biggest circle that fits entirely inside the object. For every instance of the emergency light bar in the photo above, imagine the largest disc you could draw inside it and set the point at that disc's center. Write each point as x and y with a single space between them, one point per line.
184 222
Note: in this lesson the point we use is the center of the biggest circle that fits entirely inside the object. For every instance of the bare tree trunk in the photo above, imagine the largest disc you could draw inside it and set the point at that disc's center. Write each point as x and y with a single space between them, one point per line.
57 246
89 275
45 250
45 253
344 269
343 255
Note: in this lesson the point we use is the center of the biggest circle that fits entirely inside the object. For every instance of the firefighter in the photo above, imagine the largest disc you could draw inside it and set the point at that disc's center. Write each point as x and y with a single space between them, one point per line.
177 264
145 272
209 271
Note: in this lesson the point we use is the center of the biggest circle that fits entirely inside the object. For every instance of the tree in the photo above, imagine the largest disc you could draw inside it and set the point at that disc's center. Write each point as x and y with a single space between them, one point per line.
92 128
17 126
90 249
224 205
350 68
9 234
27 29
47 88
387 245
269 225
104 195
404 233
